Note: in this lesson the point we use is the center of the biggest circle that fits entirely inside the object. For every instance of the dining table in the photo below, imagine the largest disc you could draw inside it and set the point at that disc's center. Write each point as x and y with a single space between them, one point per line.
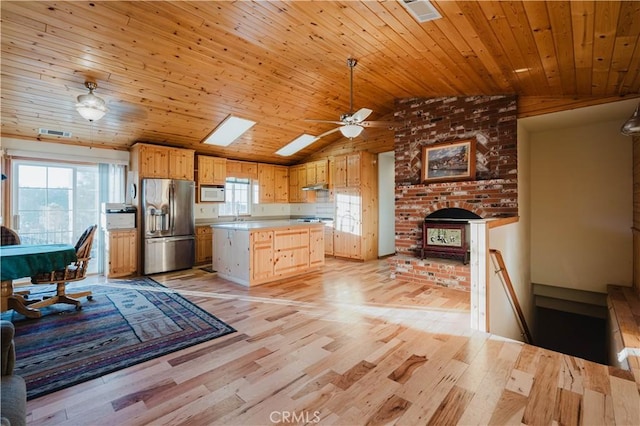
26 260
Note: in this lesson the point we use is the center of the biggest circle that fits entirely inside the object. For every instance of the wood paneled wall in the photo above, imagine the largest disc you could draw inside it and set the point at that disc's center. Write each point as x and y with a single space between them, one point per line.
636 214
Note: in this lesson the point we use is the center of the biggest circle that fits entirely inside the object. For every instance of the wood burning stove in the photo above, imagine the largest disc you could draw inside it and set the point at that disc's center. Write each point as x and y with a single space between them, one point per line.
445 239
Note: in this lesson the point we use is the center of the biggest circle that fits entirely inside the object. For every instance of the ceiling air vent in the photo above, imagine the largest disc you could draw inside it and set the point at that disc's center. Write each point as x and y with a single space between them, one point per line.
58 133
422 10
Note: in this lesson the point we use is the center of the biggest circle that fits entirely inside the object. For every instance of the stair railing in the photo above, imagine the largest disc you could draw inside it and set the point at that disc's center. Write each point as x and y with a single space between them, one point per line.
513 298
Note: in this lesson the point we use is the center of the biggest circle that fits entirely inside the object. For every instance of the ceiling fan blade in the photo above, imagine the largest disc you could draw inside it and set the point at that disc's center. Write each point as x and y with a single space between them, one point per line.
361 115
328 133
324 121
388 124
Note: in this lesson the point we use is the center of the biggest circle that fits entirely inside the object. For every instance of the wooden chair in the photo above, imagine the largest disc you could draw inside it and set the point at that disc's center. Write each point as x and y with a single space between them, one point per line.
74 272
8 237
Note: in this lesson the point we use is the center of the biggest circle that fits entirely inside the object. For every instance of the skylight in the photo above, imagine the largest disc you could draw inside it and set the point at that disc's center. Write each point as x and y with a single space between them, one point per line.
228 131
296 145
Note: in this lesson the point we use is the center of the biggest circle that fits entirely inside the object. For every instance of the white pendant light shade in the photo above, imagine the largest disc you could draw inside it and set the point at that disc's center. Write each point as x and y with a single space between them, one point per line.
632 126
89 106
351 130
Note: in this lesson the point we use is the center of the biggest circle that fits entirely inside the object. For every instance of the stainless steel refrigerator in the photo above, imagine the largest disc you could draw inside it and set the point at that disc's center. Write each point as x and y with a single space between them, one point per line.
168 224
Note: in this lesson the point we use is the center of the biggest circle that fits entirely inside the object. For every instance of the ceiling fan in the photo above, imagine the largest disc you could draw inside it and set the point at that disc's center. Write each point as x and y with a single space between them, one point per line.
352 123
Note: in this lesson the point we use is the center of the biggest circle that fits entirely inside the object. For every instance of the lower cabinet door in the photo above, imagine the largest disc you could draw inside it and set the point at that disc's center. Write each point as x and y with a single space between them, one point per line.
262 255
122 253
204 244
291 250
316 247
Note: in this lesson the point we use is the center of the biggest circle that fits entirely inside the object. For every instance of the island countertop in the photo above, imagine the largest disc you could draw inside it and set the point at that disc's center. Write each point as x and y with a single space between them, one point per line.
263 224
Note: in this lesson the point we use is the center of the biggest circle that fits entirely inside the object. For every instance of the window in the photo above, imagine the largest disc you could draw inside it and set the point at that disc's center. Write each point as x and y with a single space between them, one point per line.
237 198
55 203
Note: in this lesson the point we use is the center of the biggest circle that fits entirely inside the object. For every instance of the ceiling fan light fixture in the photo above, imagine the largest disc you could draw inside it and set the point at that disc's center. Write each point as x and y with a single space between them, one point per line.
351 130
632 125
90 106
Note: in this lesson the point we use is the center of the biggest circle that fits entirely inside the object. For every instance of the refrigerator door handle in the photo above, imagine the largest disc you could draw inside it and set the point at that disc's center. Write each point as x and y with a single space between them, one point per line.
172 203
162 240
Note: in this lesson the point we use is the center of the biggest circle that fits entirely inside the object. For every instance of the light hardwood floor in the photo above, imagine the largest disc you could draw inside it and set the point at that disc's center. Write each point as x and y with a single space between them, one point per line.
345 346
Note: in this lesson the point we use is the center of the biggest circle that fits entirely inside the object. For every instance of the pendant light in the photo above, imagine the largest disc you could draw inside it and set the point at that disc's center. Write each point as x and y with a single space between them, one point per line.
89 106
632 126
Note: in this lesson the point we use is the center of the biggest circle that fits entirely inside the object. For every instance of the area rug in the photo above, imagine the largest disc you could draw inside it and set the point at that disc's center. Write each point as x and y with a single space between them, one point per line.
126 323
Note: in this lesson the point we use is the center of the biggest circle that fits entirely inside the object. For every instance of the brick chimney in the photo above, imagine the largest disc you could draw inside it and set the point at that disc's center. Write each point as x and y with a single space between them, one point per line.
491 121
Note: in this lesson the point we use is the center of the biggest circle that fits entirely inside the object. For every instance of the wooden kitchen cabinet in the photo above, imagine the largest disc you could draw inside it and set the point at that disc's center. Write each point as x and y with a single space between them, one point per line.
348 169
298 180
311 173
355 234
155 161
204 244
316 246
266 183
328 240
281 184
273 183
354 171
317 172
242 169
211 170
181 163
295 188
257 253
291 249
121 250
262 256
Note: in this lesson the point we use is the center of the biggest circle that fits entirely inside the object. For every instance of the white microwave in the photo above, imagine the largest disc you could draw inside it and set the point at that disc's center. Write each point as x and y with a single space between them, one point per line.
212 194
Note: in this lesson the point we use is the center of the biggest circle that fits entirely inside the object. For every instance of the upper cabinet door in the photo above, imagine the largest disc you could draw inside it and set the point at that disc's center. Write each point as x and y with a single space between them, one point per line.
211 170
266 179
281 184
322 171
340 169
154 162
353 170
181 163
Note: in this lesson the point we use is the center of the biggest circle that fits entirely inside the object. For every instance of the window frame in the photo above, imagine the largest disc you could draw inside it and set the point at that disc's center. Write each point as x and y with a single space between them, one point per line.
226 209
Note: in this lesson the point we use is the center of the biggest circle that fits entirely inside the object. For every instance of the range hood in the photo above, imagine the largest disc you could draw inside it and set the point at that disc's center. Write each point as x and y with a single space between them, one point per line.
316 187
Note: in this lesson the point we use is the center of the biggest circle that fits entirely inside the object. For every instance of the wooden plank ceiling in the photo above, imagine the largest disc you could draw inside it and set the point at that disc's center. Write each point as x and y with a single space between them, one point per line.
172 71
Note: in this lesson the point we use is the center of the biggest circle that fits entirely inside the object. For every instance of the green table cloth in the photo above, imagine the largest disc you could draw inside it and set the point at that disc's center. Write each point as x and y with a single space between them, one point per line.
26 260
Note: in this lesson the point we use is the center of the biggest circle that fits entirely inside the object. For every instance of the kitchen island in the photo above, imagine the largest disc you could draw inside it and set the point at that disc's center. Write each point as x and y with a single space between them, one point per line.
251 253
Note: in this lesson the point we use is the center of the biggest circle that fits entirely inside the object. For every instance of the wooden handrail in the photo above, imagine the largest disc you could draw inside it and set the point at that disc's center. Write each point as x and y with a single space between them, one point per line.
506 280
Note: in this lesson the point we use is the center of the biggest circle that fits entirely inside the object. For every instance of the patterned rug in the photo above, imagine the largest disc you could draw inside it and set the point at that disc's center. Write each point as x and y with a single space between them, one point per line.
126 323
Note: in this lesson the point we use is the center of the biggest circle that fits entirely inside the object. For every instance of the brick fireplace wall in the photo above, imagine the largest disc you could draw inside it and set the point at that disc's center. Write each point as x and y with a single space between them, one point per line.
491 121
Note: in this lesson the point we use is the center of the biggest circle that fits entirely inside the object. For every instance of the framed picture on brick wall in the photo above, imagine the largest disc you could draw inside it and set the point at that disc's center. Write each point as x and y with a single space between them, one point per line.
450 161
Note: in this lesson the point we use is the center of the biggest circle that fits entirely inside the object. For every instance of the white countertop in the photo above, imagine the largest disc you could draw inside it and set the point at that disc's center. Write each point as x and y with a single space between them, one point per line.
262 224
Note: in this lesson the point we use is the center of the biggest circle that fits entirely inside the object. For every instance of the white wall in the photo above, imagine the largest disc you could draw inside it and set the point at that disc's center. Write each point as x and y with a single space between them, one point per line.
386 204
510 241
513 242
59 151
581 207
